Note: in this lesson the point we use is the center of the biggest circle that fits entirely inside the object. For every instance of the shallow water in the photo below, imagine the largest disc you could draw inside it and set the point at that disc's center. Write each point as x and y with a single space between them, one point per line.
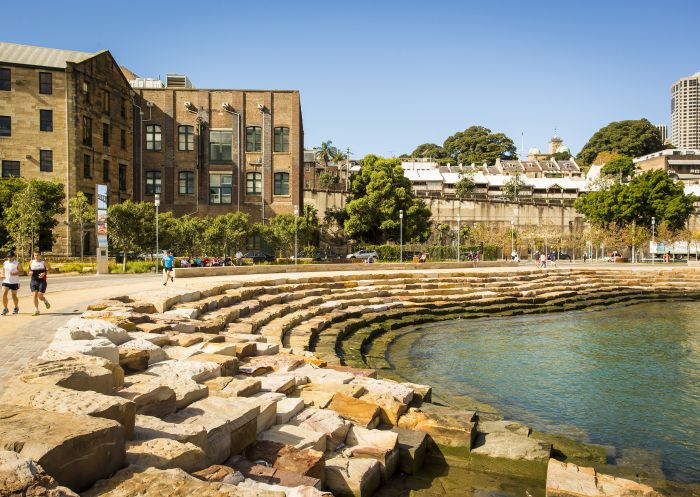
625 377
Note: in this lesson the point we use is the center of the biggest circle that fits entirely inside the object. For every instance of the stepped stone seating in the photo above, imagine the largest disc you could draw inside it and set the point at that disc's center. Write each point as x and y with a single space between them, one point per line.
278 378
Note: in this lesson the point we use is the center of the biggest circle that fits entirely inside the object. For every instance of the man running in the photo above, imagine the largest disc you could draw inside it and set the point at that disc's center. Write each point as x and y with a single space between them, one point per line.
10 283
37 284
168 261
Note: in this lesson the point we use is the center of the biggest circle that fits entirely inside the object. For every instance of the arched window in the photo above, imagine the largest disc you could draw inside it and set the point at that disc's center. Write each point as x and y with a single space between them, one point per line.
153 137
253 139
185 183
281 183
281 139
185 135
253 182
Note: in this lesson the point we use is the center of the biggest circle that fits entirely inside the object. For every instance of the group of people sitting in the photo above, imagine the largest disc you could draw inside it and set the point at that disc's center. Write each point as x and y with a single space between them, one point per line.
206 261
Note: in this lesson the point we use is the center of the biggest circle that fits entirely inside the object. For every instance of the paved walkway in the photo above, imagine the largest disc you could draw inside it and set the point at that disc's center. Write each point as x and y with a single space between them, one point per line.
23 337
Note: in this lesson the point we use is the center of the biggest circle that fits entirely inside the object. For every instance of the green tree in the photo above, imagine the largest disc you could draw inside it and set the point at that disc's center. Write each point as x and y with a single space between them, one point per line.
652 194
131 227
514 187
325 152
308 226
465 185
188 235
8 188
619 167
279 232
431 150
82 214
566 155
227 232
379 191
478 144
327 180
632 138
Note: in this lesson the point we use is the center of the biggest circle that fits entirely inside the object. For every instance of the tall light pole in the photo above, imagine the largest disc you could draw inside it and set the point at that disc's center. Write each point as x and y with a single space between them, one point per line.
156 201
296 230
653 241
401 235
512 237
459 221
261 107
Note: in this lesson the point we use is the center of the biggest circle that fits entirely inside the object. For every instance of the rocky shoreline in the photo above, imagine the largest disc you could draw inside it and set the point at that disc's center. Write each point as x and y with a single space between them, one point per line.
270 388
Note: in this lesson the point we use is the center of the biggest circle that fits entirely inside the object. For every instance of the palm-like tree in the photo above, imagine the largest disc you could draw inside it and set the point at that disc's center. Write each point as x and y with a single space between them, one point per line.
326 152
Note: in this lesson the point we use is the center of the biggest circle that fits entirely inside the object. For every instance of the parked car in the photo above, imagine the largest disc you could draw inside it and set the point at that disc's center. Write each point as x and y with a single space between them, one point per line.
362 254
259 256
562 256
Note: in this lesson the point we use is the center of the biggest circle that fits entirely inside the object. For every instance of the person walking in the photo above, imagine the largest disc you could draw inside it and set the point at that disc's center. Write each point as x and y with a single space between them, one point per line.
37 283
10 283
239 258
168 261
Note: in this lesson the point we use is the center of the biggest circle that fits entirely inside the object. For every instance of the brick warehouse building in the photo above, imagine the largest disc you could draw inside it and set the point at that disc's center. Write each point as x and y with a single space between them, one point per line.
213 151
66 116
204 151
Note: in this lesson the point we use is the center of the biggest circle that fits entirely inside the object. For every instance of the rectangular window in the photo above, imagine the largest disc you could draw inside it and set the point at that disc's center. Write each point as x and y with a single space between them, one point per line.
105 171
87 131
281 139
281 184
220 145
186 183
185 138
87 166
105 134
153 137
106 102
122 177
122 139
46 161
253 139
123 109
253 183
45 120
153 182
5 126
307 166
220 188
45 83
10 169
86 90
5 79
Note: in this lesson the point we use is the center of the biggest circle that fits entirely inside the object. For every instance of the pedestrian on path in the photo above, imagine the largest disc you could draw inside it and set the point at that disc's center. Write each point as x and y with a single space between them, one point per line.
37 283
10 282
168 261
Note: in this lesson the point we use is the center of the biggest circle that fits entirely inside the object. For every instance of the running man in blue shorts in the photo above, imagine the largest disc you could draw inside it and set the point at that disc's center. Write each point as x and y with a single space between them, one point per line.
168 261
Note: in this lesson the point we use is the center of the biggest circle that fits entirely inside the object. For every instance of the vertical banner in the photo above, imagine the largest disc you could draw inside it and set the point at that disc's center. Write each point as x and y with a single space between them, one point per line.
102 204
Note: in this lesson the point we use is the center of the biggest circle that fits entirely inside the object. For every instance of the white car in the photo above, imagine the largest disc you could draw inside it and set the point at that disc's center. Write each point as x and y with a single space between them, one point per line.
362 254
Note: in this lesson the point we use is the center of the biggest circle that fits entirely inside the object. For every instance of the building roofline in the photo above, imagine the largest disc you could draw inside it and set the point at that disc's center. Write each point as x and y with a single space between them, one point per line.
217 89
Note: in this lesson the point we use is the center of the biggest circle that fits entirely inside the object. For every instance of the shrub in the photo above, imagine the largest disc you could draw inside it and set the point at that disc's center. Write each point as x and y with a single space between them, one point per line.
133 267
74 267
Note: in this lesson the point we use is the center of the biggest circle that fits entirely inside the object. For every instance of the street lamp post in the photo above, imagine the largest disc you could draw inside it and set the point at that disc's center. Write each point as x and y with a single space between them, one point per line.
653 241
512 237
459 221
401 236
296 230
156 201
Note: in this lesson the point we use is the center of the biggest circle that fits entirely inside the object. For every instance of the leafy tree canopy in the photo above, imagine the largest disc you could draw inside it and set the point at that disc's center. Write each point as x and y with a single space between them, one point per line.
652 194
430 150
619 166
632 138
478 144
465 185
379 191
131 226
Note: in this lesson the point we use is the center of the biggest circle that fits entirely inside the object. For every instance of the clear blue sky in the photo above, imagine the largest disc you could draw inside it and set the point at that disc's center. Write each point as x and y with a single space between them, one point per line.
383 77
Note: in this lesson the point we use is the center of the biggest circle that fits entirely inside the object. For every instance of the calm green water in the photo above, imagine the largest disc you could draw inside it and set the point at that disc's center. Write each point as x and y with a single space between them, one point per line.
625 377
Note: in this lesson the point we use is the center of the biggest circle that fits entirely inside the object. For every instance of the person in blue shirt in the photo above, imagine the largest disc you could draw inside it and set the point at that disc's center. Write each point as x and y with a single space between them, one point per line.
168 261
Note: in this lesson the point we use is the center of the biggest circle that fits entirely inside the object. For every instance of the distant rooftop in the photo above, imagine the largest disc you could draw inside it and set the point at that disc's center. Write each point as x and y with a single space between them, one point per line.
13 53
668 152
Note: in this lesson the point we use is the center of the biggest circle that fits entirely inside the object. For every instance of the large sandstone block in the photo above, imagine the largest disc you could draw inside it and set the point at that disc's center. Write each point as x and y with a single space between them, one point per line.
299 491
295 436
569 480
63 400
306 462
228 365
449 428
74 449
151 482
20 476
352 477
77 373
512 454
400 392
358 411
165 453
149 427
380 445
153 351
197 371
287 408
240 386
179 353
267 403
269 475
219 473
413 446
390 409
90 329
99 347
186 390
150 398
324 421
